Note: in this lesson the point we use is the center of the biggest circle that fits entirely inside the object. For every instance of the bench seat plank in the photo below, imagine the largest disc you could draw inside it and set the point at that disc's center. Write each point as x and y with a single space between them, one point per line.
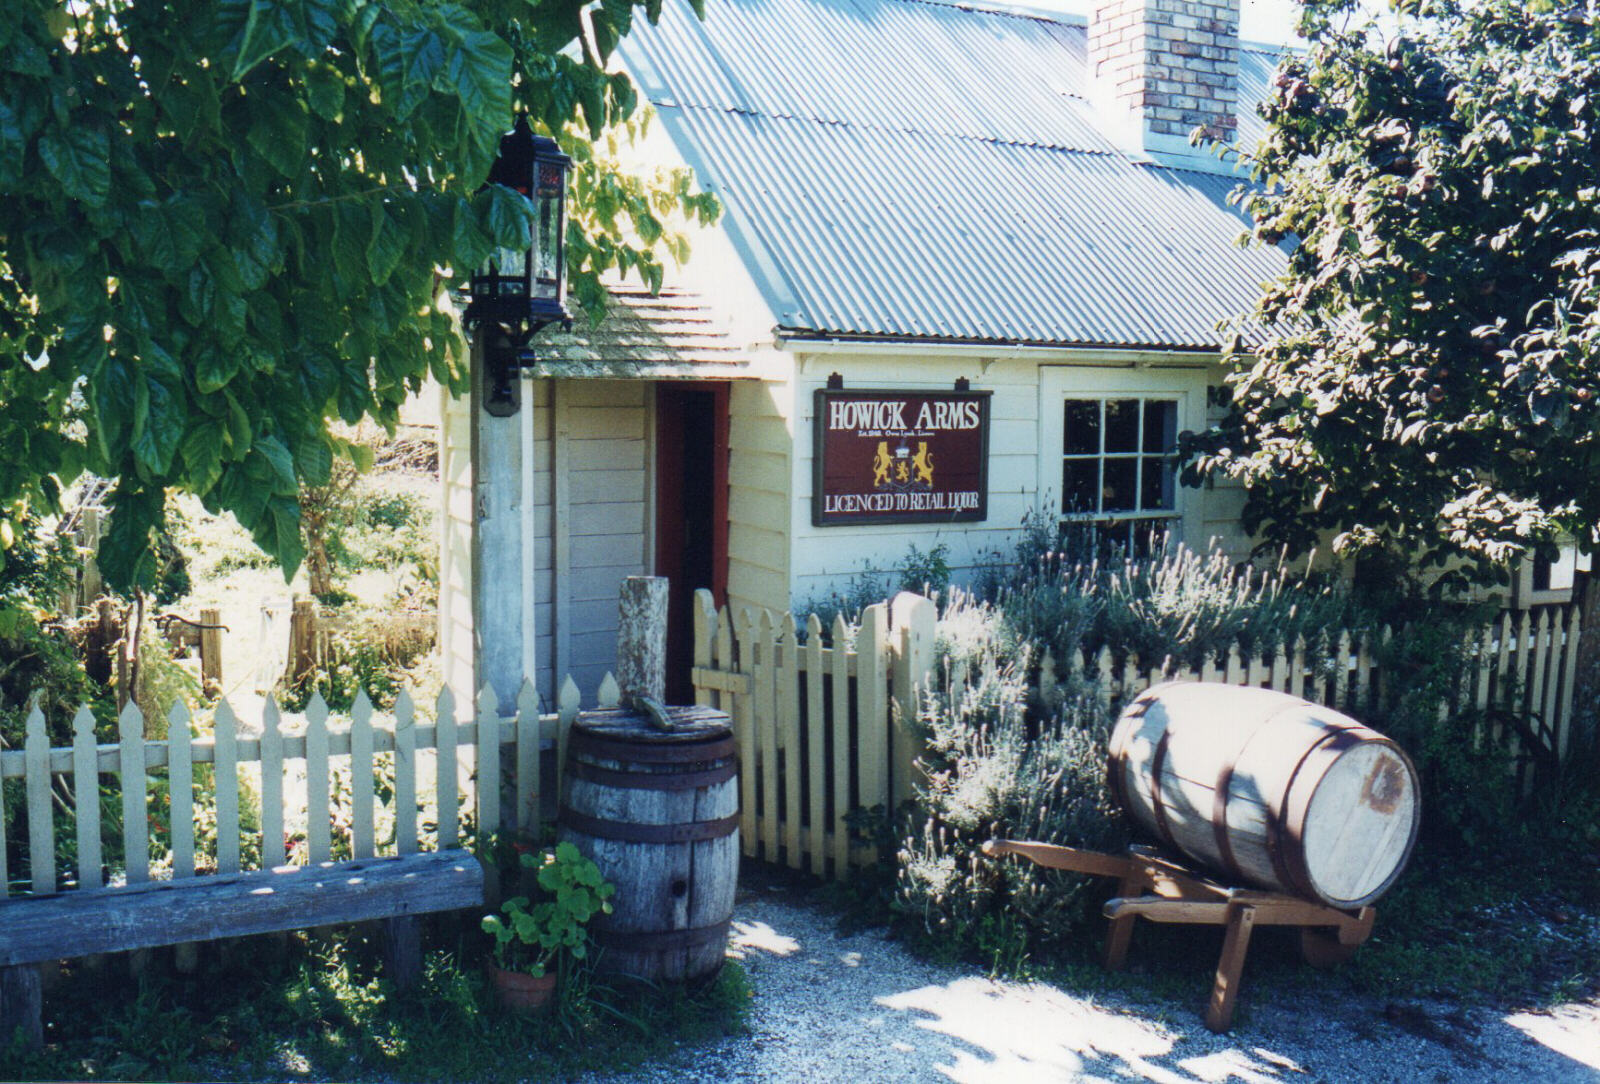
64 925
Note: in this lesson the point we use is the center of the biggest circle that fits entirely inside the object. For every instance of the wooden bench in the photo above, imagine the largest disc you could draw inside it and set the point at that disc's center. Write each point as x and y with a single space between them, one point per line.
65 917
39 929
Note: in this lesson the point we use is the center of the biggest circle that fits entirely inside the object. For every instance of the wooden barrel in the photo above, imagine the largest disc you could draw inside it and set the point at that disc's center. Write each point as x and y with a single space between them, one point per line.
658 811
1268 789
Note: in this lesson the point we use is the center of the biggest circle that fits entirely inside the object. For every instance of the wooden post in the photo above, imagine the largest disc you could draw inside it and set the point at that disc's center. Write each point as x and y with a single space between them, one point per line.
20 1004
302 641
402 951
642 637
913 619
211 651
1235 943
101 641
91 583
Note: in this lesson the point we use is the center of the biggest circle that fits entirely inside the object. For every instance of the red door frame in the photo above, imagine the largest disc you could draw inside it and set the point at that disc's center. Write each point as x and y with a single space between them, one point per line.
669 469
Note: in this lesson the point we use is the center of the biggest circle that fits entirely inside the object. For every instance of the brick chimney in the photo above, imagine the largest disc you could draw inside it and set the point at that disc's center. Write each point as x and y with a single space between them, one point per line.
1162 68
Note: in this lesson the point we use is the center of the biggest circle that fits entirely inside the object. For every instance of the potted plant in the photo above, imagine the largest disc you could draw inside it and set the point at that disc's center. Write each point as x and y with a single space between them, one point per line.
532 937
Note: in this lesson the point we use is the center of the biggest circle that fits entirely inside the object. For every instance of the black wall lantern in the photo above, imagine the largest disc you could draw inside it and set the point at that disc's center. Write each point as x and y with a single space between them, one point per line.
519 290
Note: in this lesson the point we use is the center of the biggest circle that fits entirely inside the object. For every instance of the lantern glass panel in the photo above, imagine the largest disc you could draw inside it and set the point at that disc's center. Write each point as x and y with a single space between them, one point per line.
508 268
547 248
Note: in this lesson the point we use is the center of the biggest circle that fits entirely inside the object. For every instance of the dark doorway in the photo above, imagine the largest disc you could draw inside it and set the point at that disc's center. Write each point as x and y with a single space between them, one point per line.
691 512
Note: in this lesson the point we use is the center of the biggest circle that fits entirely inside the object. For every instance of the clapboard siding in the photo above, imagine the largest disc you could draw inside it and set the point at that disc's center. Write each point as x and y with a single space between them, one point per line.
824 559
756 469
827 557
605 522
759 448
611 518
606 486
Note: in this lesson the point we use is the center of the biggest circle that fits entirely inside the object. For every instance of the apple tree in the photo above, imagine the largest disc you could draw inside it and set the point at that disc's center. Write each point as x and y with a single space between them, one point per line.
1426 377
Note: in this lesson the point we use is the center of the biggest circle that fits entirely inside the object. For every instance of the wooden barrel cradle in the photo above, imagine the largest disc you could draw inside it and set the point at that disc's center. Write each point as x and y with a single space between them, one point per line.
1268 789
658 811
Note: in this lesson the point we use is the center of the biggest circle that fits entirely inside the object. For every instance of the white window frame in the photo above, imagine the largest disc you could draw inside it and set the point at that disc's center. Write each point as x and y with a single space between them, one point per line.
1058 384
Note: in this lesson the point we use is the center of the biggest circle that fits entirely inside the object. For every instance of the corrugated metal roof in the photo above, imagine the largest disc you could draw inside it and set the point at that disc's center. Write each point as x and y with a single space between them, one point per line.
907 169
671 336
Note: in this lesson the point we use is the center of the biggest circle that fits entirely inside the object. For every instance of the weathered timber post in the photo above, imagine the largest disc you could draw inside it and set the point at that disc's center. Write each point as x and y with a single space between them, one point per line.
302 641
90 583
642 637
20 1005
211 651
912 619
101 641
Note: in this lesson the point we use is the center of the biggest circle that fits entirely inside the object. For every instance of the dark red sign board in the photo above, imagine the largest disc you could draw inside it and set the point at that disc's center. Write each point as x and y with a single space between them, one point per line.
900 457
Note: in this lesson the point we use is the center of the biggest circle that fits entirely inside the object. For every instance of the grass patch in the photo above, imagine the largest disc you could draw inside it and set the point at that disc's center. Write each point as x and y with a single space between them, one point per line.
319 1008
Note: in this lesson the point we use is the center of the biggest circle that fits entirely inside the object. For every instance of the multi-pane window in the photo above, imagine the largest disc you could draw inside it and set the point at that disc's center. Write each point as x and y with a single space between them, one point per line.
1117 466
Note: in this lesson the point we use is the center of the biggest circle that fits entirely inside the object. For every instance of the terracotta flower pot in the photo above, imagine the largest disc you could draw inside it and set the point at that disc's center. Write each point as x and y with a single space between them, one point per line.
521 992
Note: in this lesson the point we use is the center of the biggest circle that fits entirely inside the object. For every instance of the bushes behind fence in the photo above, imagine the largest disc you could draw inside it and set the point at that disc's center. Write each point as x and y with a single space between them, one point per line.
1010 758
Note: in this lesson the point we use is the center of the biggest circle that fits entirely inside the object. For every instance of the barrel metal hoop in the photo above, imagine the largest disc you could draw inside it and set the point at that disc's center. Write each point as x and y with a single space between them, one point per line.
663 781
1157 804
662 940
637 753
1117 760
627 832
1287 824
1219 808
1219 815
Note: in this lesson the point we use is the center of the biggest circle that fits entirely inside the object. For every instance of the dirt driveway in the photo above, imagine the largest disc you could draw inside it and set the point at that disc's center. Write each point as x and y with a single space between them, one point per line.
860 1008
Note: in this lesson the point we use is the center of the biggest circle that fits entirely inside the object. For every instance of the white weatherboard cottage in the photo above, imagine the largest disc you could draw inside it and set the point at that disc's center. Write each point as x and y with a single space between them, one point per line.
918 197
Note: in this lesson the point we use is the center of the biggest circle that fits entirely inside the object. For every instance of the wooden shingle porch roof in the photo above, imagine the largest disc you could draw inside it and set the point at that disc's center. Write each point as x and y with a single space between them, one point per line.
671 336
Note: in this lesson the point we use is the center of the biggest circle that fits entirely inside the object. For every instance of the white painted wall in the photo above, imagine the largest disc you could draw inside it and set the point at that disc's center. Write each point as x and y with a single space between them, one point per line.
1027 387
603 514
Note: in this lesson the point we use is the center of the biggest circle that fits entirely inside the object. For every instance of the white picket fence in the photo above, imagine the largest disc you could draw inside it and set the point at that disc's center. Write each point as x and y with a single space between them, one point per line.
818 721
821 733
444 778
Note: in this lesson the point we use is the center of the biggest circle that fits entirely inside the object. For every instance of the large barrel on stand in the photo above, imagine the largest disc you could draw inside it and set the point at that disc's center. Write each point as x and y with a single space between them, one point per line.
658 811
1268 789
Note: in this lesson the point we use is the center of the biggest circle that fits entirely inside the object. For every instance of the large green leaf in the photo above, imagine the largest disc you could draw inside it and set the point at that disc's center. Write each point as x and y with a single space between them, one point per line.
506 215
479 72
253 242
157 440
202 455
271 25
408 59
386 246
278 134
214 367
79 157
325 90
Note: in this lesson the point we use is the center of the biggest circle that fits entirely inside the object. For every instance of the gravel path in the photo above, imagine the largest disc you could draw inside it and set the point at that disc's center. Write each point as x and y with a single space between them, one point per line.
860 1008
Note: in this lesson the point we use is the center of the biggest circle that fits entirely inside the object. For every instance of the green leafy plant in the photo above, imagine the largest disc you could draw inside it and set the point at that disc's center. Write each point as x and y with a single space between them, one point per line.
926 571
533 935
224 224
1425 376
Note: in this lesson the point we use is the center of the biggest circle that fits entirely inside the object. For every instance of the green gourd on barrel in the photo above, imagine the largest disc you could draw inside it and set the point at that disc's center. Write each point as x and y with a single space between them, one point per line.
1268 789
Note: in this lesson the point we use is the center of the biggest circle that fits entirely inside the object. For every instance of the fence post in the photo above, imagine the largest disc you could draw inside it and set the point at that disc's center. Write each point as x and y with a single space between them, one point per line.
211 651
302 641
913 619
705 629
872 710
91 585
